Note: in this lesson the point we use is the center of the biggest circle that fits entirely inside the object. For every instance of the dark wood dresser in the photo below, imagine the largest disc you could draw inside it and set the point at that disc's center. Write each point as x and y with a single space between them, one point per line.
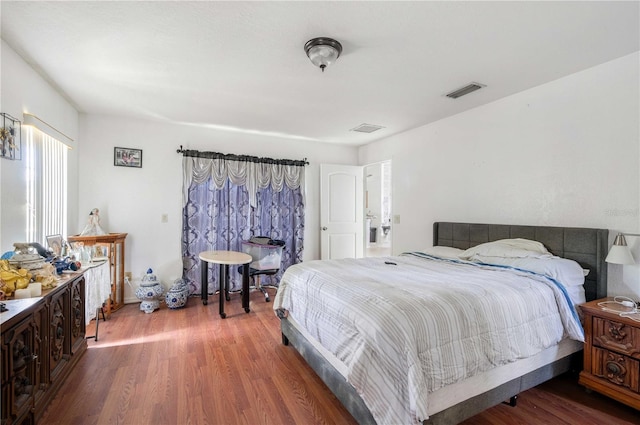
611 354
41 341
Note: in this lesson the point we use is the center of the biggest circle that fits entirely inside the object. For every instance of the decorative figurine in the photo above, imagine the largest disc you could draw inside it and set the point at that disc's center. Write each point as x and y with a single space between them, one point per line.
93 224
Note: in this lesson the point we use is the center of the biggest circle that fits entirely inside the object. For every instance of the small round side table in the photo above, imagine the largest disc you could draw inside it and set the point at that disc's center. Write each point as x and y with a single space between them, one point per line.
224 259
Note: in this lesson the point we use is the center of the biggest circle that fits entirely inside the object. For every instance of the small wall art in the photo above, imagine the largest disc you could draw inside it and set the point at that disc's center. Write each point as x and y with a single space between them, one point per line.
127 157
10 137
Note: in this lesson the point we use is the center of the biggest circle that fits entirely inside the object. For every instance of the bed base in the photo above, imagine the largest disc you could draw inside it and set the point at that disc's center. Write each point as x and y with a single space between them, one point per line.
452 415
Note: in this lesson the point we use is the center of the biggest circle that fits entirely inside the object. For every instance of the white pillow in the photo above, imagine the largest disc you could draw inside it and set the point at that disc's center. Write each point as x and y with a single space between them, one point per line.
565 271
508 248
443 251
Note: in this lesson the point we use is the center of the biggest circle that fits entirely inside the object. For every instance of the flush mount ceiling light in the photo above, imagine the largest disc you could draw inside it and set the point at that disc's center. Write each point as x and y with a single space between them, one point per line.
323 51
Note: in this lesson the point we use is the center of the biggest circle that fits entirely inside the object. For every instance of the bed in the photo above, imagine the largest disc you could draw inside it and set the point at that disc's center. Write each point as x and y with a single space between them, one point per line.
453 398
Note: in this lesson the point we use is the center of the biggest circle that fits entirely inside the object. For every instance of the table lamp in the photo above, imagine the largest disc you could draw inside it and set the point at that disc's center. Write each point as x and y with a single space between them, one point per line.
620 252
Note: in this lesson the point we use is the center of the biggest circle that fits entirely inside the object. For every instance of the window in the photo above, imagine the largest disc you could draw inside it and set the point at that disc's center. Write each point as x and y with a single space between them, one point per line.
46 169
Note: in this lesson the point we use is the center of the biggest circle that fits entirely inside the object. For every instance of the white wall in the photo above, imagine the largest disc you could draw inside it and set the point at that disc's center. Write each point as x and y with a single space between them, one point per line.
24 90
132 200
566 153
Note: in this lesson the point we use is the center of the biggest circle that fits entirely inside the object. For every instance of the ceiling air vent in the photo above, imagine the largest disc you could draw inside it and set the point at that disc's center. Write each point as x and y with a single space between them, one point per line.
367 128
465 90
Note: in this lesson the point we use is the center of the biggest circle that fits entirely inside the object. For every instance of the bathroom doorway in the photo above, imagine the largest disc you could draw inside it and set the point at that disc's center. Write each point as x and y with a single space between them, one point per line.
377 209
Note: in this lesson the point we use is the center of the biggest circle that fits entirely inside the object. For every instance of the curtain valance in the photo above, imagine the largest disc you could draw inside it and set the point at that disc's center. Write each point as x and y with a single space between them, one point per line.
253 172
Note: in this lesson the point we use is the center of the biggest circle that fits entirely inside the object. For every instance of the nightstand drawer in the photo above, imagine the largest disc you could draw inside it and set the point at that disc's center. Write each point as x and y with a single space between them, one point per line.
616 336
615 368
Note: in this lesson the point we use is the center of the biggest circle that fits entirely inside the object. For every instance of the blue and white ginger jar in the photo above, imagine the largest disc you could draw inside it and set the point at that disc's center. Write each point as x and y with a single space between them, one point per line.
150 292
177 296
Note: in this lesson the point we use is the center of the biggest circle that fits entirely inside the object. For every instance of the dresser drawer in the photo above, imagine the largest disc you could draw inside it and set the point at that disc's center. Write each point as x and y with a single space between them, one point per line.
616 368
616 336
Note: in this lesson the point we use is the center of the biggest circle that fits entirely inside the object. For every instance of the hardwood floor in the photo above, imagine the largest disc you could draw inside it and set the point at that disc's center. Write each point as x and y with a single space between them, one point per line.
188 366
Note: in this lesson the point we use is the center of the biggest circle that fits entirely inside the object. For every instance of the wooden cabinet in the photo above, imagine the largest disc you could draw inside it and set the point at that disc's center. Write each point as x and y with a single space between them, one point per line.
611 354
114 243
21 373
41 341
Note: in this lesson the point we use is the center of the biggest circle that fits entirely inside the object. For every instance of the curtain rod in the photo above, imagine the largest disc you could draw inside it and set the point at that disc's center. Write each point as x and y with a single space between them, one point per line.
233 157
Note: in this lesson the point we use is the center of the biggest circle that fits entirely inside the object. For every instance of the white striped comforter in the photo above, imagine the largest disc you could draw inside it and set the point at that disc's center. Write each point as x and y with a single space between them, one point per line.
405 330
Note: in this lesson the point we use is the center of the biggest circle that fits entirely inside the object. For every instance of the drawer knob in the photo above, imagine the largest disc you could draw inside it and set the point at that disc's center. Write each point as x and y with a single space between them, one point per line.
616 371
614 368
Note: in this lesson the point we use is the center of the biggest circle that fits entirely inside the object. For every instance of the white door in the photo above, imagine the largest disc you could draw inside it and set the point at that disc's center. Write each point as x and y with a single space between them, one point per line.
341 214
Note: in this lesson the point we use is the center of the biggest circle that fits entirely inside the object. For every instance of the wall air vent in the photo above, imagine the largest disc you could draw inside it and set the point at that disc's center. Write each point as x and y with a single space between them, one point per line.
367 128
465 90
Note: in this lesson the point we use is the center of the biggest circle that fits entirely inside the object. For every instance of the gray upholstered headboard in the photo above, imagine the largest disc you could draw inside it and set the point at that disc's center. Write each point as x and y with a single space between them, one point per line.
586 246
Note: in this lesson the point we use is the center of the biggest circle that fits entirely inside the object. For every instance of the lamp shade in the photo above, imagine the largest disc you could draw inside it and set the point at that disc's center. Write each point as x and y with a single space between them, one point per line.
620 252
323 51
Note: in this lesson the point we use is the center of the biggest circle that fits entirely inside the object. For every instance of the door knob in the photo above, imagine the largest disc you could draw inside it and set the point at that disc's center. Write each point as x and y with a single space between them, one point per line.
324 228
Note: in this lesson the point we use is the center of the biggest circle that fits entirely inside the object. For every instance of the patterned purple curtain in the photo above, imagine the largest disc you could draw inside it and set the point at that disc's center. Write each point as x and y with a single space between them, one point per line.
220 216
280 215
213 219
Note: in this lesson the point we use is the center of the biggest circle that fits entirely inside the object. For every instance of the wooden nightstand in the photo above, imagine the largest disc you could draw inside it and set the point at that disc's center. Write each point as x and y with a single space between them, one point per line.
611 354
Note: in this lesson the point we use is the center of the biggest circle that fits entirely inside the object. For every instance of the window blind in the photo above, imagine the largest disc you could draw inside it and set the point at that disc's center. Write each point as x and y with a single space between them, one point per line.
46 169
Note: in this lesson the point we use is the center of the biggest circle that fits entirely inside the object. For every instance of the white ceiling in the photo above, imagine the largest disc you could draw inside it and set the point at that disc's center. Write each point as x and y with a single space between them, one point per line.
241 65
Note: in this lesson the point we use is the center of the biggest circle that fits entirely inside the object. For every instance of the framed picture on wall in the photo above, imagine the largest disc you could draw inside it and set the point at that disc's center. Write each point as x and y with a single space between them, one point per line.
10 137
127 157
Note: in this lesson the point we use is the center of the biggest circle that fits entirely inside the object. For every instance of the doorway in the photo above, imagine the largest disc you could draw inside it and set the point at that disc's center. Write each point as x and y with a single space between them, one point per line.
377 209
